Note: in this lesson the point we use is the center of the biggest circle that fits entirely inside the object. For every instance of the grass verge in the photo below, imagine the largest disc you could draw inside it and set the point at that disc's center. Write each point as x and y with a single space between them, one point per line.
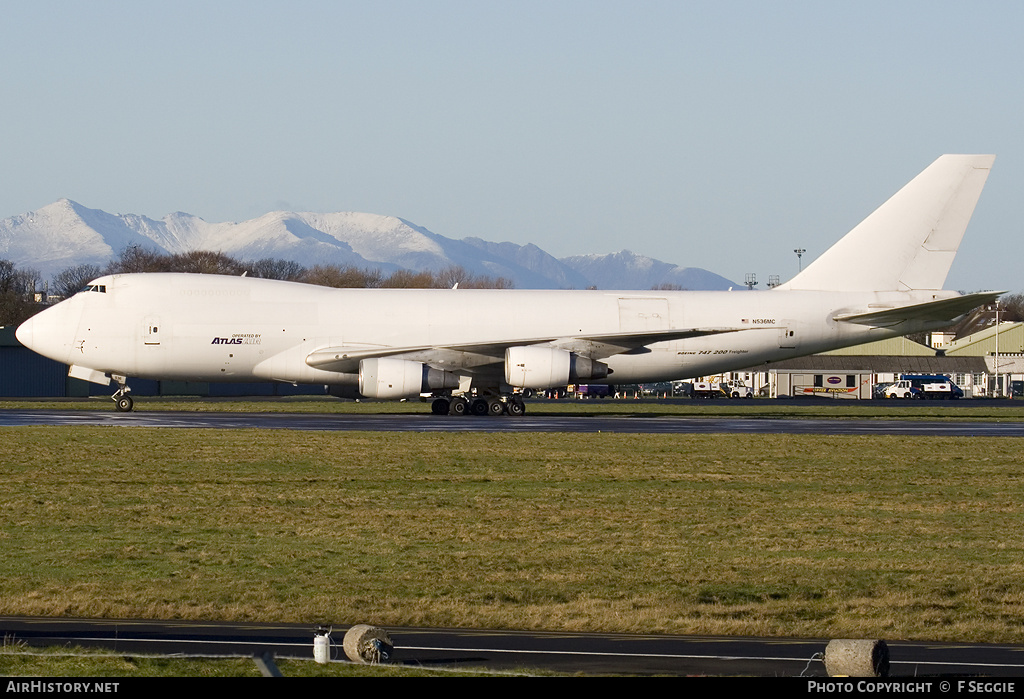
865 536
967 410
70 663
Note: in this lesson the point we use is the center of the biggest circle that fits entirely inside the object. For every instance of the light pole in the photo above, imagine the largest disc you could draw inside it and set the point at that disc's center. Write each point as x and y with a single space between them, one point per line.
799 253
997 392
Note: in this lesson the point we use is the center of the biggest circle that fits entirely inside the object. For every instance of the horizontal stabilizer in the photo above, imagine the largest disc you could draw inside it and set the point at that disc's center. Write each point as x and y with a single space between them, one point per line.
945 309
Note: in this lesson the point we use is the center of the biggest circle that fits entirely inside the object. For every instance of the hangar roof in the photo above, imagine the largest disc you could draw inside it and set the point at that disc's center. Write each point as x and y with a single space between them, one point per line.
883 364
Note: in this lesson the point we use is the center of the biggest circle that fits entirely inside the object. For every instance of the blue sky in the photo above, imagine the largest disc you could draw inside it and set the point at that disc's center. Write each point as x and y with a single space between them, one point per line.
714 134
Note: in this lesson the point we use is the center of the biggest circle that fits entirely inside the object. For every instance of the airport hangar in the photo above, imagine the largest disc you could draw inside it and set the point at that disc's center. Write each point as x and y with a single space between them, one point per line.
981 364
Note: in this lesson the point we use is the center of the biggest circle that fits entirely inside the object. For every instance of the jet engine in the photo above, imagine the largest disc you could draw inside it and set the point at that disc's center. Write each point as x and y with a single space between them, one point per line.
545 367
344 386
386 378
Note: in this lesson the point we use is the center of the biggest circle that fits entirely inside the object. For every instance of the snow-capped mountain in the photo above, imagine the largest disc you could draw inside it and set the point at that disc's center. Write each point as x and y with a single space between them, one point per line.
634 271
66 233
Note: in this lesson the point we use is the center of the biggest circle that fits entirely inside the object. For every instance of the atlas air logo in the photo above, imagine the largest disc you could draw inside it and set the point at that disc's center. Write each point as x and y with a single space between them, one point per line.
238 339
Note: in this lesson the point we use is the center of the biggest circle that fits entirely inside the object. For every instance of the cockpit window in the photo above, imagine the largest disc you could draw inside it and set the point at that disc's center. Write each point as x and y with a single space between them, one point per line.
101 288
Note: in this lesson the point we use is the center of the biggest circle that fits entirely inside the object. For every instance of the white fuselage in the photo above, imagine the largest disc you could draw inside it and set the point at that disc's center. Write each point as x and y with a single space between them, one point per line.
219 328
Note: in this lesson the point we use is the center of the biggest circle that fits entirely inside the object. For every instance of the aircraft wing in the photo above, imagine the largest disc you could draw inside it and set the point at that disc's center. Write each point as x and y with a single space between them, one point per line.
945 309
346 358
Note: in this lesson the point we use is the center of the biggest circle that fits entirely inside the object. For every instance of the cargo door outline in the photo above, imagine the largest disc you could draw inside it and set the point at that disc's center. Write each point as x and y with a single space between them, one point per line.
788 337
151 332
643 313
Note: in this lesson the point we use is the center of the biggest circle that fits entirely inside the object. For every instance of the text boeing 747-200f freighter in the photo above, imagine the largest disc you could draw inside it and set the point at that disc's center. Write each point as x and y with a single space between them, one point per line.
471 348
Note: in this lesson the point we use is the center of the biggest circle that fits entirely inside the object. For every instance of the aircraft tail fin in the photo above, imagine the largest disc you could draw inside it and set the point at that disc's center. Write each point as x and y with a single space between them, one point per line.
909 242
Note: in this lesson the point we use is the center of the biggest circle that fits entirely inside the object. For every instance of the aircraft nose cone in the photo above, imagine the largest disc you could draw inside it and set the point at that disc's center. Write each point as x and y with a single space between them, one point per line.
25 333
47 333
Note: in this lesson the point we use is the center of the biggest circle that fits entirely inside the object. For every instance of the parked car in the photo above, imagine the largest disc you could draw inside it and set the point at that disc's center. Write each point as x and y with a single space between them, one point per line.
923 386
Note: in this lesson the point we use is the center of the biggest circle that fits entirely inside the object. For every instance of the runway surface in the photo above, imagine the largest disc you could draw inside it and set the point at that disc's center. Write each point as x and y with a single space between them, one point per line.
527 423
469 649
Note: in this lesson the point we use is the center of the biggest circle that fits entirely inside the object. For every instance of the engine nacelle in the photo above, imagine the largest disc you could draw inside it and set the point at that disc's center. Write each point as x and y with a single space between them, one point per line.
546 367
388 378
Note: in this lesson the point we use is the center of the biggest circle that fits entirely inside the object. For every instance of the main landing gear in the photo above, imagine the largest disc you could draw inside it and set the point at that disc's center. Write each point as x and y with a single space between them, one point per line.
123 403
484 405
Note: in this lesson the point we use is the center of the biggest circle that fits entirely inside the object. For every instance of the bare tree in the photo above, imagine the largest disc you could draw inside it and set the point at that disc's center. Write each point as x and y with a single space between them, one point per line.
17 293
408 279
342 277
450 276
72 279
205 262
136 258
1011 307
270 268
17 281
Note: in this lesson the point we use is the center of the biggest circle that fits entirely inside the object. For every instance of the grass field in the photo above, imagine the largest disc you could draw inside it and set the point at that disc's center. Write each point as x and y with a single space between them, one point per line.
890 537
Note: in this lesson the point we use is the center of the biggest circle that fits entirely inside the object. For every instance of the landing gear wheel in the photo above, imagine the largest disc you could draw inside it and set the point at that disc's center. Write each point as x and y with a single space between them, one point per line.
124 404
458 406
440 406
479 406
495 406
516 406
